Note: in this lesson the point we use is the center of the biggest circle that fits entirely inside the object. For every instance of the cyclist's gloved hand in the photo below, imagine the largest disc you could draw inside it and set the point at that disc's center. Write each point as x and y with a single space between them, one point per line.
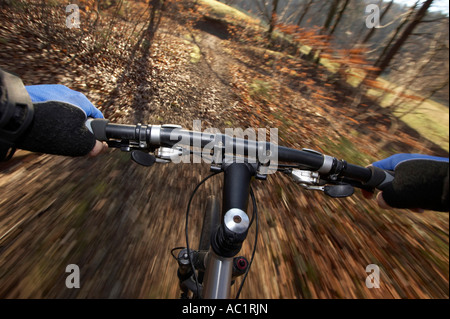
59 120
57 92
420 182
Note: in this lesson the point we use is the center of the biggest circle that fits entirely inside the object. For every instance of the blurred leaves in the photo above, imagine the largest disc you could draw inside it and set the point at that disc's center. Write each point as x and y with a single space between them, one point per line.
118 221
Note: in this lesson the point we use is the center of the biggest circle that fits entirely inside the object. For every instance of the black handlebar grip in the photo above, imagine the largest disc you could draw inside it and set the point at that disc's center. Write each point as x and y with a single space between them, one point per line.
58 128
98 128
380 178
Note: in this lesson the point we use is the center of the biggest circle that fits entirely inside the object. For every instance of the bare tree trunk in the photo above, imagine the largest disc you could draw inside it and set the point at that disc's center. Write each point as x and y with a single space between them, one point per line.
397 31
273 19
330 16
392 51
339 17
305 11
326 26
419 68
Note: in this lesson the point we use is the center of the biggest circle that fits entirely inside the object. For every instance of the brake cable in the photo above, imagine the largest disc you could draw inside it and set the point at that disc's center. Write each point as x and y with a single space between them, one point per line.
186 227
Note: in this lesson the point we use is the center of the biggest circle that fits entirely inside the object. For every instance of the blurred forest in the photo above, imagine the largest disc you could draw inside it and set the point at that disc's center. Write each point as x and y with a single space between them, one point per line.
310 68
421 58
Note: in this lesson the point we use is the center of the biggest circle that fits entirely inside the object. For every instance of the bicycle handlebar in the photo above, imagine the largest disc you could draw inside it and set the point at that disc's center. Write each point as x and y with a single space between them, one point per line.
151 137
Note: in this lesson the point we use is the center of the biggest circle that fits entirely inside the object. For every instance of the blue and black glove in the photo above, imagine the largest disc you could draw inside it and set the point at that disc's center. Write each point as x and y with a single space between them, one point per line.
59 120
421 181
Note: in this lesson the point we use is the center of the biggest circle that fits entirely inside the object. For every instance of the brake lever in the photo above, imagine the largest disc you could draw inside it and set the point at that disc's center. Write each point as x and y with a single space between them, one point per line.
138 155
311 180
143 158
335 191
339 190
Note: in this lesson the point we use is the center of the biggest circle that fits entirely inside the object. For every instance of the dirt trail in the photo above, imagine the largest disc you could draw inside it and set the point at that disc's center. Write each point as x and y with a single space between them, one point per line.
118 221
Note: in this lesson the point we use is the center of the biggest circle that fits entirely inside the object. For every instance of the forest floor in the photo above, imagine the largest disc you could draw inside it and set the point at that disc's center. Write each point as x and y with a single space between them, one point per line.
118 221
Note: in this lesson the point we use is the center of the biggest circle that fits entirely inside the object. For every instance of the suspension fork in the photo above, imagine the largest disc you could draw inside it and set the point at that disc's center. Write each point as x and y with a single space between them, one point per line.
227 240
